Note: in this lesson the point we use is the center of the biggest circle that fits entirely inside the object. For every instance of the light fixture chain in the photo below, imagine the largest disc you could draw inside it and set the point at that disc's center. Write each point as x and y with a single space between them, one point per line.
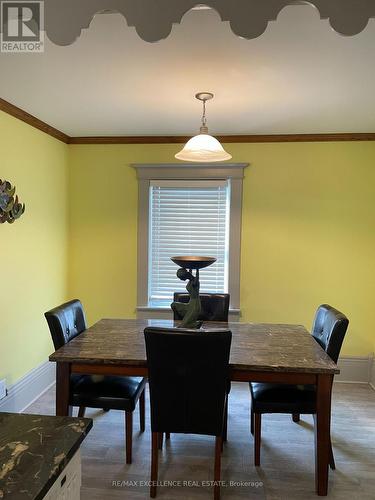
204 119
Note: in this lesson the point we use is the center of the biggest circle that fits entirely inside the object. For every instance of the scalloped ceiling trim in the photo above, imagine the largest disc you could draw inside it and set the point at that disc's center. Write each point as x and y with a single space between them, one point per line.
153 20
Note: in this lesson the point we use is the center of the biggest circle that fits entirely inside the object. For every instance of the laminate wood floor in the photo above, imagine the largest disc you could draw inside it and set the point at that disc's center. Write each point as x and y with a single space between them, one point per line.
287 455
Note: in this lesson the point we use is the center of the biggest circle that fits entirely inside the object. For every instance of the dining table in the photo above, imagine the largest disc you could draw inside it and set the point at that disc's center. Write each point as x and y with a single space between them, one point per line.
260 352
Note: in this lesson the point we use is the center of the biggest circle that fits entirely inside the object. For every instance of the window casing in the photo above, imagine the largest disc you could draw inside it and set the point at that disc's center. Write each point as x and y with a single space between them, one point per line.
230 173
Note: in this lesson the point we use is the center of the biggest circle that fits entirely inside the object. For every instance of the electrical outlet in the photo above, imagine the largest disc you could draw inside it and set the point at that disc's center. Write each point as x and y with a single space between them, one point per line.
3 388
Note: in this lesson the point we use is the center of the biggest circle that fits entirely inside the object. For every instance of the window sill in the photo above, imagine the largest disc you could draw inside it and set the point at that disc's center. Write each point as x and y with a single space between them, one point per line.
147 312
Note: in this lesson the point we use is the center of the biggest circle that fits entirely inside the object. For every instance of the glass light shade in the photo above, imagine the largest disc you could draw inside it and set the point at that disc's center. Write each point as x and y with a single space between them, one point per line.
203 148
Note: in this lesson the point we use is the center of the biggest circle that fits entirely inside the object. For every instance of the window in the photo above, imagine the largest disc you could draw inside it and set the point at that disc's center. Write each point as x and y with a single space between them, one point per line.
187 218
187 209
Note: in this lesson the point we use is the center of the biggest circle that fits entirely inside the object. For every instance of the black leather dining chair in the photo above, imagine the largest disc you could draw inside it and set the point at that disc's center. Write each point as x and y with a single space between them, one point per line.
215 306
188 375
329 329
95 391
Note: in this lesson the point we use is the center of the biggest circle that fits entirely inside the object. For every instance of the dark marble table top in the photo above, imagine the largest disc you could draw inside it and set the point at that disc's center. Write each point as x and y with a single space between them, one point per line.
34 449
255 346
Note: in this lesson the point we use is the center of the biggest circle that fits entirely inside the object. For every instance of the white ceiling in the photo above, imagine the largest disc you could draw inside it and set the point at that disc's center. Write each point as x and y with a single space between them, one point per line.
298 77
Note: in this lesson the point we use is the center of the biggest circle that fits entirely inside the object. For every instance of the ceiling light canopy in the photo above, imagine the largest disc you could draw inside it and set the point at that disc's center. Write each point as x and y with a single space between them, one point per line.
203 147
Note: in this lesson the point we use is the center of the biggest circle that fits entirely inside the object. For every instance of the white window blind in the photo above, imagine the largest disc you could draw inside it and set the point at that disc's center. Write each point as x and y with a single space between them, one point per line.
187 218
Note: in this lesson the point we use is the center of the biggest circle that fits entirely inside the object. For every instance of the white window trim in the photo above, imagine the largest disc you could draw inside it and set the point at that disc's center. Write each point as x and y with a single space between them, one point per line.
198 171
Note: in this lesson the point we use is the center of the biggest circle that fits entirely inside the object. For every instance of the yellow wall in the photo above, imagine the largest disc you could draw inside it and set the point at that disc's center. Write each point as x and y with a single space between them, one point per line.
33 249
307 235
308 231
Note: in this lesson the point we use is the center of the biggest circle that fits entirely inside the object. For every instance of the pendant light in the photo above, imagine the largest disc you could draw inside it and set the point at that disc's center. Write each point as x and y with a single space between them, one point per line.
203 147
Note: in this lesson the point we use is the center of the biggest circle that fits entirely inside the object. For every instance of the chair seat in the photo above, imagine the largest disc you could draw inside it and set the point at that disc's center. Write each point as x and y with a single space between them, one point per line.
282 398
74 379
98 391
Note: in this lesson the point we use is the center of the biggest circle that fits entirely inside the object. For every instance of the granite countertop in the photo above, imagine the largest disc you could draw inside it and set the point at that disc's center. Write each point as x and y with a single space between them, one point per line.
34 450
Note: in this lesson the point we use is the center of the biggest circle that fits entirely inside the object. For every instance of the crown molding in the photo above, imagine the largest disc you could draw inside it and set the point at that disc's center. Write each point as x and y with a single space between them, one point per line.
253 138
22 115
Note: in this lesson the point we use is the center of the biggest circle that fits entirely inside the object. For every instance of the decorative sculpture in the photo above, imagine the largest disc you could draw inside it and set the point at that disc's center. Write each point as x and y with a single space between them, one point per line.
10 208
190 312
153 20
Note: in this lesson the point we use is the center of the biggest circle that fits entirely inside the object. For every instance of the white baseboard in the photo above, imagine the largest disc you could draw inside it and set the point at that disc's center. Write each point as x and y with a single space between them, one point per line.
355 369
372 379
26 390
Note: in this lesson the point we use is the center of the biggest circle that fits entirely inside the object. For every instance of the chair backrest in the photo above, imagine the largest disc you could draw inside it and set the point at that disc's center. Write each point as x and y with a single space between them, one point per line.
188 376
66 322
215 306
329 329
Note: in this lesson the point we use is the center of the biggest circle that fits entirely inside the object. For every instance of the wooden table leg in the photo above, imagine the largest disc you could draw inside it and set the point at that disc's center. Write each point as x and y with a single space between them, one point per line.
63 408
322 432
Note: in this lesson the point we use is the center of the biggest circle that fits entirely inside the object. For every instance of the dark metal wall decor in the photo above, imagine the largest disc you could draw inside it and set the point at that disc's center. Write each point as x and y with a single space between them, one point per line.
10 208
154 19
